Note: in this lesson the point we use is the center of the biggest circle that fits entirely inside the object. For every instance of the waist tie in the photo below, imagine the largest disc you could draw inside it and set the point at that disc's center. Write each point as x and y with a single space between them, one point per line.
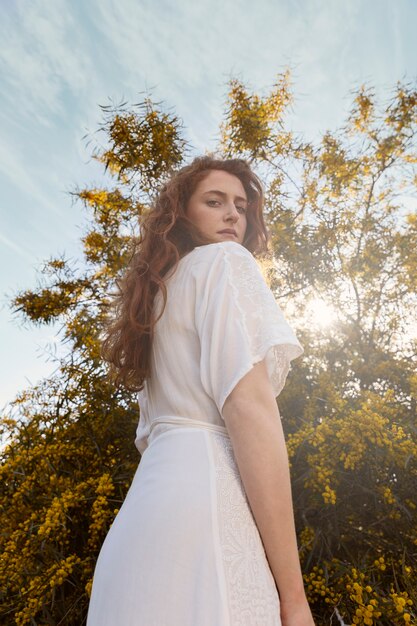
188 421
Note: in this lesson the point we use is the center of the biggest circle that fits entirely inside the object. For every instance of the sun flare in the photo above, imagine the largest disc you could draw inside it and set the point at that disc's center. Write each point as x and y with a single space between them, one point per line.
323 314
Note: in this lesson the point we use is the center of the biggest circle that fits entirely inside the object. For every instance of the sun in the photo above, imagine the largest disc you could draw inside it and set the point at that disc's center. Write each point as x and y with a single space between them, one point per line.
323 314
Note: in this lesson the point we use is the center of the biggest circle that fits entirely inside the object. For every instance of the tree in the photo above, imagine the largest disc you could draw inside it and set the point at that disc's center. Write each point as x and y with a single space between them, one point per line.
340 233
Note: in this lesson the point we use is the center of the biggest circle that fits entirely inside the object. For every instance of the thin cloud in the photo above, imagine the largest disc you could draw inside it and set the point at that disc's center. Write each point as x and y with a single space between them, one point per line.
16 248
41 57
13 167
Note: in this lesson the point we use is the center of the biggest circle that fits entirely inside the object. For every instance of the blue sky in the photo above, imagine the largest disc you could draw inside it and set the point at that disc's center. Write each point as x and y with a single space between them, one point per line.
59 60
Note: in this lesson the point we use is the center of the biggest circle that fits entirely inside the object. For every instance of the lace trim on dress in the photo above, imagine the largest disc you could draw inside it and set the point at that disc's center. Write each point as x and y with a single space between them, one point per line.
256 301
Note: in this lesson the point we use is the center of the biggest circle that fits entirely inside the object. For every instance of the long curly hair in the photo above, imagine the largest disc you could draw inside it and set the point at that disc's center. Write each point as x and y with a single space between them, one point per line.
166 235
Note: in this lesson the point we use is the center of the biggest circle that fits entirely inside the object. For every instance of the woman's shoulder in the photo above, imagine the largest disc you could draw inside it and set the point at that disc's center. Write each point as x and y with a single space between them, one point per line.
220 249
222 261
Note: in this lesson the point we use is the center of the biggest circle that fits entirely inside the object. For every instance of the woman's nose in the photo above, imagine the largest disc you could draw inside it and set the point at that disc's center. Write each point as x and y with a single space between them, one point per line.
232 212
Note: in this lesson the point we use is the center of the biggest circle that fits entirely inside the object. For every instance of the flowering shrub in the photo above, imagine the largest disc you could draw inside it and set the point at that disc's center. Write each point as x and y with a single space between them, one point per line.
63 479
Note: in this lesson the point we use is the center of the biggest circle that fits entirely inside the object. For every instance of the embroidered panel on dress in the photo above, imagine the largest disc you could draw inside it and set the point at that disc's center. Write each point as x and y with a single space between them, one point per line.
251 590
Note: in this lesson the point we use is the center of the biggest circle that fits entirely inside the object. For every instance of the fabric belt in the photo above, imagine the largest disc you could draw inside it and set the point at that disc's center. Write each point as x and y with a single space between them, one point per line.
188 421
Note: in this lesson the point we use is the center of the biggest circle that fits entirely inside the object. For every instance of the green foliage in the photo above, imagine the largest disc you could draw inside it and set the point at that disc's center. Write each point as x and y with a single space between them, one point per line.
340 233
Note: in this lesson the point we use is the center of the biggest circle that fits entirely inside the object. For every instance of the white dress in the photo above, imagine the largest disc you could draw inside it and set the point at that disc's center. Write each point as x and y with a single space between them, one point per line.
184 549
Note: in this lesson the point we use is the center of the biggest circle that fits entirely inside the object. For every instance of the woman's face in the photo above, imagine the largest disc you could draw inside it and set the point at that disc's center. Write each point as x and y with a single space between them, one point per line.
218 207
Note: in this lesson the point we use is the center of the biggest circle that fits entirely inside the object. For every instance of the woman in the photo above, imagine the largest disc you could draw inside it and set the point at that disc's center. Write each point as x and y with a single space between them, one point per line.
205 536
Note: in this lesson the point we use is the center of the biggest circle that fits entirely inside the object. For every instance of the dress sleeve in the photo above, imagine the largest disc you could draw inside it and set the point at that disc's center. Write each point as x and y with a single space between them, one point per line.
143 428
238 321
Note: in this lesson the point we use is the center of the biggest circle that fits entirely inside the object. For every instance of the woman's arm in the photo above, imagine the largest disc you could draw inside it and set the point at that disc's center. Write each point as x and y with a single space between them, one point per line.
254 425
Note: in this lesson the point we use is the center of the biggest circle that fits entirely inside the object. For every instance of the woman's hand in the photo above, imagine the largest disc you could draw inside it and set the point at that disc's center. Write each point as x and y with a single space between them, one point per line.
296 614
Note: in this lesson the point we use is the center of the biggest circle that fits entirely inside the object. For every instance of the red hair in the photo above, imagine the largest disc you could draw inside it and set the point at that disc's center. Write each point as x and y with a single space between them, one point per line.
166 235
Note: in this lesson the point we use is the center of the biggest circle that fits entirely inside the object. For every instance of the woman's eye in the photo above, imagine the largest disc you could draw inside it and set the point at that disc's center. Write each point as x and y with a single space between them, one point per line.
241 209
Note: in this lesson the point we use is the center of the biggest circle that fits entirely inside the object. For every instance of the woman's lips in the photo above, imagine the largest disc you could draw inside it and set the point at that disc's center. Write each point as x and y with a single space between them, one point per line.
228 232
